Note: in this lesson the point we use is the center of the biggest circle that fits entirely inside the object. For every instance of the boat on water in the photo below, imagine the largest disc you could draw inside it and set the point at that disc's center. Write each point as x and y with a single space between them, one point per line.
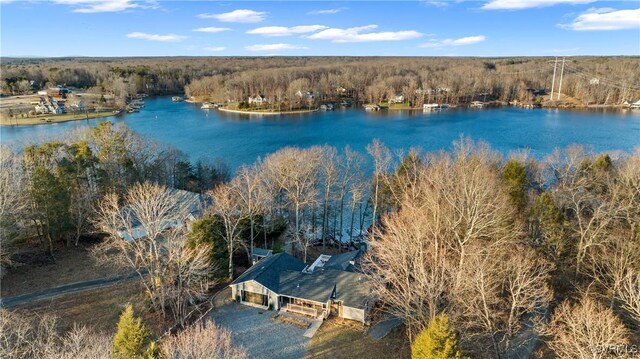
208 106
371 107
434 107
136 104
177 99
327 107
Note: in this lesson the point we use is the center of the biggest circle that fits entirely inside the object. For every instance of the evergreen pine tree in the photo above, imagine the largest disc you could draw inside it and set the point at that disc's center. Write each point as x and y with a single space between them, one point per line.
437 341
132 341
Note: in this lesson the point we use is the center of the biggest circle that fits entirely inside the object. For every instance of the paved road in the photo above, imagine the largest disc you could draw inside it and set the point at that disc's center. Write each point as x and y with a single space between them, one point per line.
65 289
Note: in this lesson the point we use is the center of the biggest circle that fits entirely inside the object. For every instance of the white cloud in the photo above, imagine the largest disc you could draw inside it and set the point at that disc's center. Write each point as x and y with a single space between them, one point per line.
327 11
156 37
212 29
435 3
241 15
606 19
214 48
361 34
94 6
274 47
527 4
469 40
285 31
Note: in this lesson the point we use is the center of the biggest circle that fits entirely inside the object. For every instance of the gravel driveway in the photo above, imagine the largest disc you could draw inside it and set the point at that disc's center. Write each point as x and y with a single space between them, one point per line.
260 335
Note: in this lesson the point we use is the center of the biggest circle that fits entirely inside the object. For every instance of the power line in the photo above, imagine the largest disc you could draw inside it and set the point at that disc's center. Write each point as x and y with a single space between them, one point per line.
602 81
553 81
561 74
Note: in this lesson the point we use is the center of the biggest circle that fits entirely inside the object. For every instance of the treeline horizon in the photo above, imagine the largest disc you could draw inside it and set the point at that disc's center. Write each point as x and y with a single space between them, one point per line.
364 79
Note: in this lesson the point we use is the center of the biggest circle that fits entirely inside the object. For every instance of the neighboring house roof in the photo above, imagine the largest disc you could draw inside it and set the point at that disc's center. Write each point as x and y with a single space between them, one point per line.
267 270
262 252
343 261
186 205
353 289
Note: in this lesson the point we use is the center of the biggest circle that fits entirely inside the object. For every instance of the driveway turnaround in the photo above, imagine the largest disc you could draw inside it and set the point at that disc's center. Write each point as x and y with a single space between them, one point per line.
256 331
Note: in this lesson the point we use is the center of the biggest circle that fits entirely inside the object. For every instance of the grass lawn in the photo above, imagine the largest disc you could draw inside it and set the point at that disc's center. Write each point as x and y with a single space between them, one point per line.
35 270
339 338
44 119
99 308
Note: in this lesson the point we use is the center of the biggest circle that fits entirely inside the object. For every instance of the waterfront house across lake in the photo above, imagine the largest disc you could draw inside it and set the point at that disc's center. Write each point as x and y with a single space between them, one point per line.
259 99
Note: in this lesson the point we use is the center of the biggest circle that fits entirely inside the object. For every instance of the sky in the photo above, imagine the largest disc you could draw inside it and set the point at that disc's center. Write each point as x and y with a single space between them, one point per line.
309 28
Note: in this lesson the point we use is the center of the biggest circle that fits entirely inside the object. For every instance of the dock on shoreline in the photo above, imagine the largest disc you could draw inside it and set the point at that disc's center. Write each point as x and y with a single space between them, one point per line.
268 113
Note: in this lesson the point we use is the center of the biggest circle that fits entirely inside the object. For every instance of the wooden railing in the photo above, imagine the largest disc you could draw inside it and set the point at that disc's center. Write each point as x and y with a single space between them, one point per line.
299 309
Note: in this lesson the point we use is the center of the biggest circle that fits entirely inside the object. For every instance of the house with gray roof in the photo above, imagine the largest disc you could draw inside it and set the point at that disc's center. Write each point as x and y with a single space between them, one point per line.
331 285
185 208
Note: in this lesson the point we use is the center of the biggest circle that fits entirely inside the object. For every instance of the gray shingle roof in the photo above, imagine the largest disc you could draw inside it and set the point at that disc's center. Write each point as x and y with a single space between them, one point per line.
342 261
353 289
267 270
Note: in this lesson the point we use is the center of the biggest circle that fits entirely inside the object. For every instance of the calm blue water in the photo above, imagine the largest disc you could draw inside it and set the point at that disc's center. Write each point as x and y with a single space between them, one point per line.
241 139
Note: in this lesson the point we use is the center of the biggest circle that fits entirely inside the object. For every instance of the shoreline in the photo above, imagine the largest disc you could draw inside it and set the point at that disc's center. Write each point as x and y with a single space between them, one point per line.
34 121
269 113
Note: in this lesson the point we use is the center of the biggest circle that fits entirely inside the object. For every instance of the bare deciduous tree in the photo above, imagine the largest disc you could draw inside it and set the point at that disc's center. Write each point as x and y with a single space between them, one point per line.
295 173
584 330
629 294
593 211
251 194
226 205
22 337
381 160
146 231
12 203
201 341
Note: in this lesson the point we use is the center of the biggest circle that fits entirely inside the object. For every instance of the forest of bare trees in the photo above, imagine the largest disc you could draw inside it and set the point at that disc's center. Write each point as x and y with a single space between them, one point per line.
361 79
513 250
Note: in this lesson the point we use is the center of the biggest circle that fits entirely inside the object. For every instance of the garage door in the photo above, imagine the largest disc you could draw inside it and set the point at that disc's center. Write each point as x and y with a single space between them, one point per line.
256 298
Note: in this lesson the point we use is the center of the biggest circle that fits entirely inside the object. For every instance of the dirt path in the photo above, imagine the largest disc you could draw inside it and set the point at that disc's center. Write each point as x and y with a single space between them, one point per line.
65 289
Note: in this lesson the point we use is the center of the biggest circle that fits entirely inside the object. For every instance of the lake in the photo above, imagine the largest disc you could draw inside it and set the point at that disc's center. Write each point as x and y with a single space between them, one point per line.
241 139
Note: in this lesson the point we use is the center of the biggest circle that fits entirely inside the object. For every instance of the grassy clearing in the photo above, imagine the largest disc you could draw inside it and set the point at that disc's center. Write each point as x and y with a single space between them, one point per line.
36 270
46 119
339 338
99 308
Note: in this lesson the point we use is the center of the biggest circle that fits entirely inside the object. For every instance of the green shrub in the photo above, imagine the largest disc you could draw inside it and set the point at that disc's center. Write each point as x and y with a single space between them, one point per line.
132 341
437 341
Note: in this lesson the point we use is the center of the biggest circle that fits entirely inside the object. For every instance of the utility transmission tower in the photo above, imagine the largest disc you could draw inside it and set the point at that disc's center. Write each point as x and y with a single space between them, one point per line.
561 73
553 81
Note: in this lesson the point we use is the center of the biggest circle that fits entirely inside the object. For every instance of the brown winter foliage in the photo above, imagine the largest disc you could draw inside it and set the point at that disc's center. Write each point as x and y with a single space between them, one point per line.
363 79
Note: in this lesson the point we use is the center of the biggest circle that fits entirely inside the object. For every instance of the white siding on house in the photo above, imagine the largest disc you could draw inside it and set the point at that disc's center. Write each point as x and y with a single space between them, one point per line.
353 313
255 287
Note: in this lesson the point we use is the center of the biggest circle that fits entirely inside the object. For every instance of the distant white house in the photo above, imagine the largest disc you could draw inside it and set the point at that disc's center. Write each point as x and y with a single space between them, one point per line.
398 98
258 99
51 106
308 94
594 81
77 105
